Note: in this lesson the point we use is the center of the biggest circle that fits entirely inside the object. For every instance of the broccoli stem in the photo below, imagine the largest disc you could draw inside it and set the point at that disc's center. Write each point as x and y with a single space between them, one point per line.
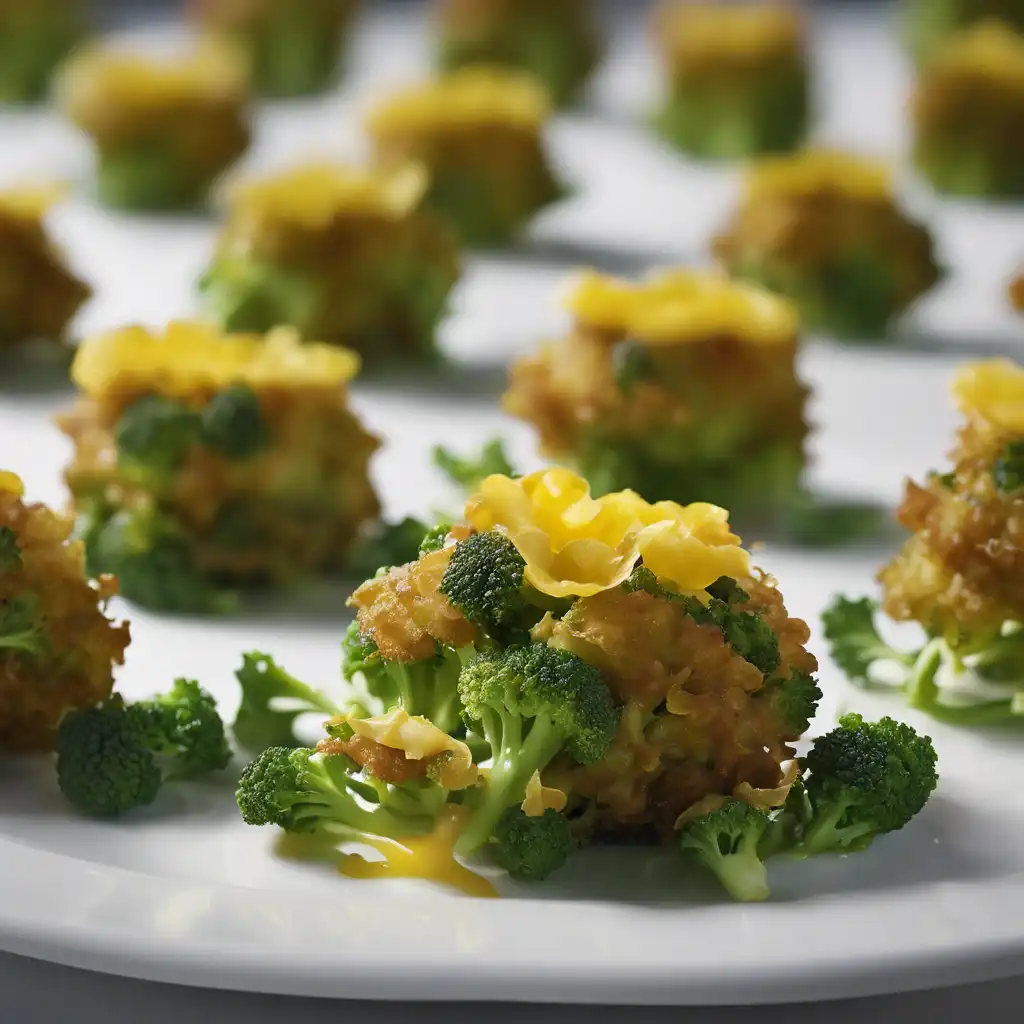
824 835
742 874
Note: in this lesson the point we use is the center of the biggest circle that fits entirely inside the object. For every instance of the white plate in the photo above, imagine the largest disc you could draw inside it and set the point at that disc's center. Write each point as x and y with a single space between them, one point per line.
186 893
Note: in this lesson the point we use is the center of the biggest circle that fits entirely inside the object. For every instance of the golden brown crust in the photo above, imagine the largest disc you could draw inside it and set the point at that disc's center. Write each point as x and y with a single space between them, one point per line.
1017 292
84 645
963 568
405 613
384 763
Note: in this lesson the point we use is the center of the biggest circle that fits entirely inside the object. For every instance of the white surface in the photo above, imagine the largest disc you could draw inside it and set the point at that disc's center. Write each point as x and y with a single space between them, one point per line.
189 894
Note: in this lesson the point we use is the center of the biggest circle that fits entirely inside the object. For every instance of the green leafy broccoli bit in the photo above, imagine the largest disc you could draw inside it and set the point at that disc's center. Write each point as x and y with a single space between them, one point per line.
853 638
428 688
146 177
816 523
532 848
530 703
22 627
1009 468
865 779
155 433
389 544
726 843
633 365
271 701
114 757
10 550
185 725
749 635
300 790
795 701
233 424
434 538
468 473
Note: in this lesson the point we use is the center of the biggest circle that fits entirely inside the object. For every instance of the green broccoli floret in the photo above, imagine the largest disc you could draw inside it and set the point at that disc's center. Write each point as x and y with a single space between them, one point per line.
1009 468
271 701
388 544
530 702
865 779
428 688
185 725
22 627
10 550
233 424
154 433
854 641
250 295
726 843
747 633
794 700
467 472
434 538
532 848
115 756
301 790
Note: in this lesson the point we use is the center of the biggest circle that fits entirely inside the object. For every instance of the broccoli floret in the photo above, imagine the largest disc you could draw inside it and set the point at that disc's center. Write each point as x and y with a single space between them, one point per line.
22 627
865 779
434 538
530 702
271 701
532 848
301 790
426 688
854 642
10 550
233 424
747 633
1009 468
726 842
154 433
184 724
794 700
250 295
389 544
115 756
104 767
467 472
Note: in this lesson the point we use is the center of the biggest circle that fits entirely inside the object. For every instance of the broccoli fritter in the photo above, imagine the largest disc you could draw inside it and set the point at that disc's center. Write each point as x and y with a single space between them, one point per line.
967 112
57 646
292 47
344 255
478 132
205 462
824 229
929 24
35 36
163 129
557 41
683 387
738 81
39 294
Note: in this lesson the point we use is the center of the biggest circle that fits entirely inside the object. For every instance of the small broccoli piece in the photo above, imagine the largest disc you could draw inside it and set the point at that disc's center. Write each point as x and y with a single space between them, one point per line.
104 767
233 424
816 523
532 848
854 642
434 538
794 700
10 550
726 589
865 779
1009 468
22 627
530 702
301 790
271 701
467 472
155 433
388 545
726 843
184 724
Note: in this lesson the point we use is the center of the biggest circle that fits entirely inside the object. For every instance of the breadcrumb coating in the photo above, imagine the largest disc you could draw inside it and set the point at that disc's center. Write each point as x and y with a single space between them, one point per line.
75 668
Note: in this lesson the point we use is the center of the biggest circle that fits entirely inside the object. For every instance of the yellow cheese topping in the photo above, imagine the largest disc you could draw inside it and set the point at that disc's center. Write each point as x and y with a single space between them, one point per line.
540 798
740 30
191 354
10 483
990 49
31 202
994 391
679 306
576 546
470 97
98 76
816 171
315 194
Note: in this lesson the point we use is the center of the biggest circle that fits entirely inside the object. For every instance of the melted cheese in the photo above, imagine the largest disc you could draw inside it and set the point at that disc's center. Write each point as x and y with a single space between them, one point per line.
992 391
10 483
817 171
